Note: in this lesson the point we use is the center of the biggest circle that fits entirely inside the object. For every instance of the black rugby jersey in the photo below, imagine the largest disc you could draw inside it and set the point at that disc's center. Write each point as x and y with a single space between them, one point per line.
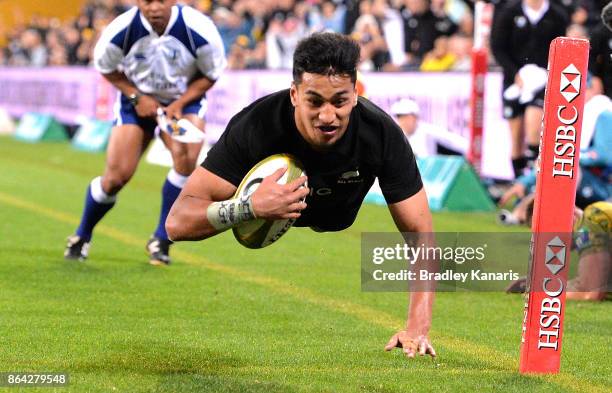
339 178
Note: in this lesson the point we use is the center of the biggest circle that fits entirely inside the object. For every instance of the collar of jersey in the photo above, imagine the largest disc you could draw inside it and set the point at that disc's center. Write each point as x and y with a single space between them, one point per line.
173 17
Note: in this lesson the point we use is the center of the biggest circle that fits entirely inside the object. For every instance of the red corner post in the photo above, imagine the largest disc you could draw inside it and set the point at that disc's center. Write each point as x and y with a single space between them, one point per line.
478 74
483 19
554 205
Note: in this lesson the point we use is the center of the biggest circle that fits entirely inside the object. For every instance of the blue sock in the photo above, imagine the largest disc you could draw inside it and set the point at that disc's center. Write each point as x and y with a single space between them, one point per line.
170 191
97 204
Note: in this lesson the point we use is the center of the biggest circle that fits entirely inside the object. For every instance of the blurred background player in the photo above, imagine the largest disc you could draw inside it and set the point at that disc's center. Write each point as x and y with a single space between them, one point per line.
595 174
425 139
157 54
521 35
592 240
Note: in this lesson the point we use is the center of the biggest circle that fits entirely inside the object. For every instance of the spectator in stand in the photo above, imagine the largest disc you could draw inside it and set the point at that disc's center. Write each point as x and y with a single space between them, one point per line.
461 47
328 15
68 43
236 56
352 14
261 33
367 32
284 33
72 41
242 57
421 29
58 55
457 11
392 28
231 25
439 58
85 50
583 12
521 35
35 50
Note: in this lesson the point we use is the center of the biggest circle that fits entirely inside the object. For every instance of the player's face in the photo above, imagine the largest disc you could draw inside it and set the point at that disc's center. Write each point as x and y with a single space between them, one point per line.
323 105
408 123
157 12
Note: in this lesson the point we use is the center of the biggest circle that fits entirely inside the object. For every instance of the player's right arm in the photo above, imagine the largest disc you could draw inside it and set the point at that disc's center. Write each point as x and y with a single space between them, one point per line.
146 105
206 205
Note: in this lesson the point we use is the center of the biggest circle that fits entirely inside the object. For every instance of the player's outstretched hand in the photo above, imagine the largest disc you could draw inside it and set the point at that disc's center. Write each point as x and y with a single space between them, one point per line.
273 201
411 345
517 190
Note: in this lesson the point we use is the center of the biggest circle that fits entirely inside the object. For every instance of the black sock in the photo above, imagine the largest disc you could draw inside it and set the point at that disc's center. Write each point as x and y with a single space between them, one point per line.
518 164
532 152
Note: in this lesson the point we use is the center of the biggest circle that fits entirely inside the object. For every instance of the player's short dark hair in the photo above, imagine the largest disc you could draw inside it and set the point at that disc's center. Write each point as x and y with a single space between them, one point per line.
326 54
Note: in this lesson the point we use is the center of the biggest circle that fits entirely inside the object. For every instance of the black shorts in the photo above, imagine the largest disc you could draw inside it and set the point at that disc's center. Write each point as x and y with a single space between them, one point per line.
513 108
328 221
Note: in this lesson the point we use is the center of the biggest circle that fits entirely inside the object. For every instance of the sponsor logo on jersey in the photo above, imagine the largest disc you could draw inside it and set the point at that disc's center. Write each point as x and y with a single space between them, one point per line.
520 21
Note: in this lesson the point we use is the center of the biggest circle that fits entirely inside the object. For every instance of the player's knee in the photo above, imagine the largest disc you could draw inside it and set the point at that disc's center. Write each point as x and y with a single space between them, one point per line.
183 164
114 182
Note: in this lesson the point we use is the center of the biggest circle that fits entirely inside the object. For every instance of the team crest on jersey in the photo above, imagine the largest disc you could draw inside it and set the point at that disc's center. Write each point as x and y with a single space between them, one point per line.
349 177
520 21
173 55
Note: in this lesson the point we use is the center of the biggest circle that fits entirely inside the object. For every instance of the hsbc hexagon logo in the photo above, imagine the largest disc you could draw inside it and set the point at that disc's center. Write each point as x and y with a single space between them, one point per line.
555 255
570 83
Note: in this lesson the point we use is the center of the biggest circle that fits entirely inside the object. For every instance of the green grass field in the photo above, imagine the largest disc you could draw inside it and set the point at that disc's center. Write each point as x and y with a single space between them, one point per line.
288 318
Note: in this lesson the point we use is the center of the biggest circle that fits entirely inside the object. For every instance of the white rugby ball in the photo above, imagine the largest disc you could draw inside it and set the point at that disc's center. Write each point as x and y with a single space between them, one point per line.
260 233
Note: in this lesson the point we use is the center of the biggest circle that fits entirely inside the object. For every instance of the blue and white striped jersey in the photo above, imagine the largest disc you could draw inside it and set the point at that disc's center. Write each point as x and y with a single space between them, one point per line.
161 66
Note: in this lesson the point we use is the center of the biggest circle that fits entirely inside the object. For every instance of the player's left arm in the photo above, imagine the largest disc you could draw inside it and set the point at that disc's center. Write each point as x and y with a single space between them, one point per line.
195 90
209 59
413 215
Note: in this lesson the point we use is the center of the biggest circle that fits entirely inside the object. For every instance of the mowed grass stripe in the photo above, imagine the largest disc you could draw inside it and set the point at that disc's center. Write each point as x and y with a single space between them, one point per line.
496 361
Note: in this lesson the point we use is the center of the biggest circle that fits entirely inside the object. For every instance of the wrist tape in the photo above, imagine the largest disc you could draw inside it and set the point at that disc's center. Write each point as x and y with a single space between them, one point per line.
227 214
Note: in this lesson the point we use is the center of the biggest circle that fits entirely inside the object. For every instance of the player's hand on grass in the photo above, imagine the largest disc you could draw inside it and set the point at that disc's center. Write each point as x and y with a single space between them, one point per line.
273 201
147 106
411 344
517 190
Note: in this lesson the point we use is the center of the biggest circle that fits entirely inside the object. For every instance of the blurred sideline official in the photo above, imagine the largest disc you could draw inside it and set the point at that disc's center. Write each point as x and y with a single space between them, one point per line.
158 55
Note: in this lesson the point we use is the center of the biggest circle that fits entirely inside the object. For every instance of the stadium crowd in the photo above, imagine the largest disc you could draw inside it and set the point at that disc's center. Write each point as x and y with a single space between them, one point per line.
395 35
